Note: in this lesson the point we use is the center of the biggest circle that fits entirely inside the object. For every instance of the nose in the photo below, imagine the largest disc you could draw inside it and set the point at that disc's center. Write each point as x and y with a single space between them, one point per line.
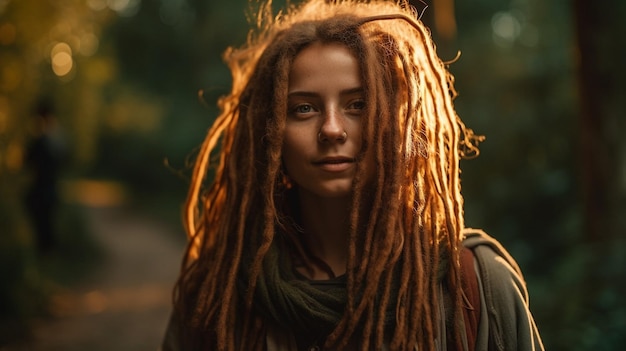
332 128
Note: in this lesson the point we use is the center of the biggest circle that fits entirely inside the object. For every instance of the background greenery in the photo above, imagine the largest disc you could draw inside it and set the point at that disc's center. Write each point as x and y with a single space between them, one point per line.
550 182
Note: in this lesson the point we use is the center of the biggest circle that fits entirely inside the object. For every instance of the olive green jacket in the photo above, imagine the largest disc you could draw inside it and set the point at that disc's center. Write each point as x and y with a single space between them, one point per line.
505 319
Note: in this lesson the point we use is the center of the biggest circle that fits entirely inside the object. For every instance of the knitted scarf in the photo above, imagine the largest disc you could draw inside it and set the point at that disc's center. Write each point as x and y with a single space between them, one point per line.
286 300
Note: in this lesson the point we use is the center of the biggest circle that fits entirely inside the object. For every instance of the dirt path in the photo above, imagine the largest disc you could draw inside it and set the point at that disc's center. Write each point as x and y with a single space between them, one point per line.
125 304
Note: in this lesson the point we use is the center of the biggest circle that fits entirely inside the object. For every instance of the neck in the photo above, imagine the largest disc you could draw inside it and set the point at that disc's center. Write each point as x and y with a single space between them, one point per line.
326 223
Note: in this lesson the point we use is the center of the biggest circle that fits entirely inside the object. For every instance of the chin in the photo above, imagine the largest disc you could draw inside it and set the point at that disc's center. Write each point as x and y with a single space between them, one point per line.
341 191
329 191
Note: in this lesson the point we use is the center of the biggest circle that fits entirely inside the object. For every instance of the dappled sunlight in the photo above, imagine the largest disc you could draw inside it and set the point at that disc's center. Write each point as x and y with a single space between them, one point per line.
510 27
61 58
134 111
94 193
115 300
124 8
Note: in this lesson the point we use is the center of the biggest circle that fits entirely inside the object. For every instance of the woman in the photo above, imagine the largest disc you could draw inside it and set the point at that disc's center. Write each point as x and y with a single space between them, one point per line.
334 219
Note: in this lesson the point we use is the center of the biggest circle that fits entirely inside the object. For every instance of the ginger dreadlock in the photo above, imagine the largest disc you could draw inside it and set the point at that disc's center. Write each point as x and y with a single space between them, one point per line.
405 224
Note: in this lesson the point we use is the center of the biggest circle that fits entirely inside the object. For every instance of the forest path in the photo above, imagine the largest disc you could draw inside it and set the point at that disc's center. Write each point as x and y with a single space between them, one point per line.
125 303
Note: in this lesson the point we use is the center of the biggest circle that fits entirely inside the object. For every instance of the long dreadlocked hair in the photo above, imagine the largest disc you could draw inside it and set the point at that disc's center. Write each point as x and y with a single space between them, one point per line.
411 226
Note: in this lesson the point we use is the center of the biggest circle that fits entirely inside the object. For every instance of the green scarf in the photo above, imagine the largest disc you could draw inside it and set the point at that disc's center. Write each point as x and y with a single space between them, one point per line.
292 303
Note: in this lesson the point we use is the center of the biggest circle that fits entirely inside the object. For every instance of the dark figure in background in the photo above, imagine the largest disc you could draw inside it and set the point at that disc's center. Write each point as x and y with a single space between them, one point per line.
43 159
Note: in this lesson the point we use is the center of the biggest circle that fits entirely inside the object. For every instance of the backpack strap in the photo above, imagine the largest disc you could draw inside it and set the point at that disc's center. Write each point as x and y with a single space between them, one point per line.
471 297
470 294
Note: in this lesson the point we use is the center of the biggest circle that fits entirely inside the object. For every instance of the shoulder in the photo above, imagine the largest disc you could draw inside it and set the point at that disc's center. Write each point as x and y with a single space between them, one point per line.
498 269
506 322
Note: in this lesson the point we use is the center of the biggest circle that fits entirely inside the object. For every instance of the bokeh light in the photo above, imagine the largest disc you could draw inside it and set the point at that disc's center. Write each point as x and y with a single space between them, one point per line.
62 61
124 8
506 28
88 44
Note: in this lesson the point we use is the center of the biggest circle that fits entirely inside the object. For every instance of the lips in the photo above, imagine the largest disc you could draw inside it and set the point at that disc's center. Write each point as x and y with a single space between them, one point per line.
335 163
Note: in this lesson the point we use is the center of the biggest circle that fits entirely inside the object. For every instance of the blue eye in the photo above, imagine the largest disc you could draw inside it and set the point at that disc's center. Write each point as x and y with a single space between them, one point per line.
304 108
302 111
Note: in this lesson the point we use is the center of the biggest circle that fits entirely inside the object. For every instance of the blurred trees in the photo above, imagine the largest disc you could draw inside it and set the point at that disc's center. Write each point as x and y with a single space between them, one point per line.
602 163
46 52
126 85
542 81
527 81
599 60
123 76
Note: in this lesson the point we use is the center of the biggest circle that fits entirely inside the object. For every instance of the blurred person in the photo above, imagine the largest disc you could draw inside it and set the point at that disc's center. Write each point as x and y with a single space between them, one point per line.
43 159
334 220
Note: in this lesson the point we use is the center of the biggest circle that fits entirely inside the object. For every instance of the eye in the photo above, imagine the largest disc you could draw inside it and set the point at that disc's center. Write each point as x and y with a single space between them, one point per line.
303 108
357 105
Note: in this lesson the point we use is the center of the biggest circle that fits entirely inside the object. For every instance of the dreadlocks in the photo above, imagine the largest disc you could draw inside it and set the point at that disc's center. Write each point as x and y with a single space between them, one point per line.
406 223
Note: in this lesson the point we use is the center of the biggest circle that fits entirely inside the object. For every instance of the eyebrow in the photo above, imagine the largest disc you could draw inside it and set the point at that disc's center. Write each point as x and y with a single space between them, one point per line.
312 94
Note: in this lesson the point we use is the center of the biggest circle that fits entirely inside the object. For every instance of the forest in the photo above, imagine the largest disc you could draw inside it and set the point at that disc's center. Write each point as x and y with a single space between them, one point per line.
132 85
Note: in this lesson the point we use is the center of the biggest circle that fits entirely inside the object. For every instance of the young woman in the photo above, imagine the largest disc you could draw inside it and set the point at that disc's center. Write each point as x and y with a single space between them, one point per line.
333 219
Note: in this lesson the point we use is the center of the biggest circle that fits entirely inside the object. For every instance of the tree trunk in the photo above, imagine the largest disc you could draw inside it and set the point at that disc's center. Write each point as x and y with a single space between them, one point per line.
597 36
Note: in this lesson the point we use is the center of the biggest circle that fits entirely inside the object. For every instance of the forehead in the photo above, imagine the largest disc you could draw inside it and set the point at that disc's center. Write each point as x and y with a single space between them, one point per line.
324 64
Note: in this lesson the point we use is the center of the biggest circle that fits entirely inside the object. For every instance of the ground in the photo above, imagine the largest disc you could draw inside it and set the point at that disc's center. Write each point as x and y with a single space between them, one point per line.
124 305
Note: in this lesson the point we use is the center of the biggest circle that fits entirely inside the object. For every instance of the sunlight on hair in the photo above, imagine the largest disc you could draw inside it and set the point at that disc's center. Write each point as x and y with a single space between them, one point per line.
406 224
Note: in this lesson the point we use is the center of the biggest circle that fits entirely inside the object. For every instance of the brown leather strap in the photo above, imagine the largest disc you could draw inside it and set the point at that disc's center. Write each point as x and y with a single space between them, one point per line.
471 297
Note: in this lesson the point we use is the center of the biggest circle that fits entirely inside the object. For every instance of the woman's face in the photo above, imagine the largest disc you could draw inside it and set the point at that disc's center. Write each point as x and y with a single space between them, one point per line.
323 130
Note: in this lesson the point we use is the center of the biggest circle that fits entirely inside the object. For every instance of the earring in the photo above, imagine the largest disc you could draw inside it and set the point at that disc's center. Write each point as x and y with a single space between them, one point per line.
285 180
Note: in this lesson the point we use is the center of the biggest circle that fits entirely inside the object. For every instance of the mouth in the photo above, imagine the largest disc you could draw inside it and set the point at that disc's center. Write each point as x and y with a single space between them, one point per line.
335 163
